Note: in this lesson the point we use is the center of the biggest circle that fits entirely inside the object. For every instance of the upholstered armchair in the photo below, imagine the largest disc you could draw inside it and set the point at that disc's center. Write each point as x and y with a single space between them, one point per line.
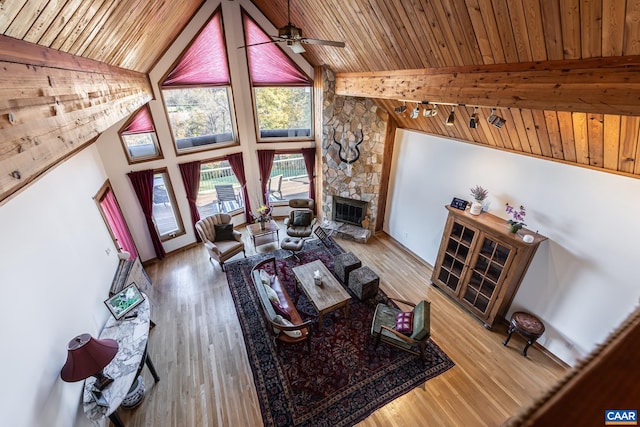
301 219
385 329
219 237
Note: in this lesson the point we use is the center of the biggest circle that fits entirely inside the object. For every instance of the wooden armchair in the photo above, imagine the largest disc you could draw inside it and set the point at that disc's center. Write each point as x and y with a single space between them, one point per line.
219 237
384 322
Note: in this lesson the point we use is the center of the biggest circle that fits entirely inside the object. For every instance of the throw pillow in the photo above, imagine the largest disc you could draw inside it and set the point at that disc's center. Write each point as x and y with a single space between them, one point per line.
271 294
266 278
301 218
224 232
284 322
280 310
404 322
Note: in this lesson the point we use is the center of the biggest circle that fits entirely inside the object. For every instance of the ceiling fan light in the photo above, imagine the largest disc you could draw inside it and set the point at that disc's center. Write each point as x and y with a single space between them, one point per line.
296 47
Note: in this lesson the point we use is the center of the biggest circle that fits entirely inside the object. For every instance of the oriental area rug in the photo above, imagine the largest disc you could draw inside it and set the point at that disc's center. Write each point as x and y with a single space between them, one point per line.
344 378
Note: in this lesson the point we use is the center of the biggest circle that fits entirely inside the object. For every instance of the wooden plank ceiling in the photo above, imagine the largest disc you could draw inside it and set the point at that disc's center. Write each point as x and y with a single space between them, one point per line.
393 35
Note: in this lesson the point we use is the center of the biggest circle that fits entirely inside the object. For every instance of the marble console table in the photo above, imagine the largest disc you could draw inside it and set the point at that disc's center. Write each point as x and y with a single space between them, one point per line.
131 335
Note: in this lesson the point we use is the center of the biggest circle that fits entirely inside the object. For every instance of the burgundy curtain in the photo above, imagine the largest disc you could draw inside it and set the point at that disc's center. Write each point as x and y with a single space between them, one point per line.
237 166
142 183
265 163
118 226
205 61
191 178
309 155
268 64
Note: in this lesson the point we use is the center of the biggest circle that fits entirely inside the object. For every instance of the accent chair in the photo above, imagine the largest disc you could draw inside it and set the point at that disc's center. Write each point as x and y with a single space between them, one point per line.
220 239
301 219
383 327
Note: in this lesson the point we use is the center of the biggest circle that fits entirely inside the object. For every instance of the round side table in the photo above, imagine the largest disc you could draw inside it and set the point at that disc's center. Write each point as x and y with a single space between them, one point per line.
527 325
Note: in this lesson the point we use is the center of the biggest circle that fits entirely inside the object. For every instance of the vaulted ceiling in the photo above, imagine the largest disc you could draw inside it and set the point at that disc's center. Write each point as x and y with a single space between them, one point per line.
383 35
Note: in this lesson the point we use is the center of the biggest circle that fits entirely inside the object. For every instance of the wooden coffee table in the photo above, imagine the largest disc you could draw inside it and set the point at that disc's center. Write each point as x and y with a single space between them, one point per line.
262 237
327 297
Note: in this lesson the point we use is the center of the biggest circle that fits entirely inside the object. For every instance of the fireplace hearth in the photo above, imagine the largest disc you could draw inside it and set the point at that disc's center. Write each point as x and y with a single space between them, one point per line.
349 211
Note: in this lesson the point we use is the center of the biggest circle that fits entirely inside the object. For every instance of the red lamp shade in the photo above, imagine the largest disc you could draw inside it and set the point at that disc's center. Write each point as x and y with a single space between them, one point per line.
87 356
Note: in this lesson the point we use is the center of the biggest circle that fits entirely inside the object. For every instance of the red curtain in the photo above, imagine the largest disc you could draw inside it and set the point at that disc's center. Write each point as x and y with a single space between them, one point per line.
309 155
205 61
142 183
116 222
265 163
237 166
268 64
141 122
191 178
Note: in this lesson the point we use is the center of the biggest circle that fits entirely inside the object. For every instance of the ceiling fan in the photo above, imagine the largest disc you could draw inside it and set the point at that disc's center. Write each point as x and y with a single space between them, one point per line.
292 36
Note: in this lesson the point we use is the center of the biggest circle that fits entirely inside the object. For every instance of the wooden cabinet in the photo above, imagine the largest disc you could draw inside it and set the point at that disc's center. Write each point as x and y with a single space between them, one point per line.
481 264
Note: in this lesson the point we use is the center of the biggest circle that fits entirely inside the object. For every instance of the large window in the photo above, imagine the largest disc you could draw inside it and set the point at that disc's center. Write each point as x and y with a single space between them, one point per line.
283 112
197 92
199 116
282 91
219 191
288 179
166 216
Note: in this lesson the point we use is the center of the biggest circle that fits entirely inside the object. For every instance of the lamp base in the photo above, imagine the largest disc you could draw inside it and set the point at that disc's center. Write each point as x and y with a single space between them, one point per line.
102 381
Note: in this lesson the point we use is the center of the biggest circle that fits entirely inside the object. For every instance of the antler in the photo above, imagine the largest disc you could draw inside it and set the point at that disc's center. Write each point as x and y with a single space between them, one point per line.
349 162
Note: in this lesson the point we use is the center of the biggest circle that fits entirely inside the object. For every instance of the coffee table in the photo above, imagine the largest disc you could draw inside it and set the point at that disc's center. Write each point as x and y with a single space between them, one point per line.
264 236
327 297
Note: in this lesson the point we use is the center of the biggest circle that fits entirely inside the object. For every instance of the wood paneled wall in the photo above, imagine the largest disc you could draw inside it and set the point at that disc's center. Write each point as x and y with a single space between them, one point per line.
48 112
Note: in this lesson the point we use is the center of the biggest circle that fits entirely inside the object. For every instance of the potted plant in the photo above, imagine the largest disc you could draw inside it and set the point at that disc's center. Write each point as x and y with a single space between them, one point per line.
479 194
517 218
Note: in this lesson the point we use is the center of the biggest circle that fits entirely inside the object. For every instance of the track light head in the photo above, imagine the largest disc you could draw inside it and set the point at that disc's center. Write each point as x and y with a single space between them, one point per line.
473 121
431 112
401 109
451 118
415 112
496 120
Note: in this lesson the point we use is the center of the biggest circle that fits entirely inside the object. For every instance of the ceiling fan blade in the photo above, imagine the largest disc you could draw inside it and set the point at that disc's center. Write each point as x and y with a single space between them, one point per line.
258 44
322 42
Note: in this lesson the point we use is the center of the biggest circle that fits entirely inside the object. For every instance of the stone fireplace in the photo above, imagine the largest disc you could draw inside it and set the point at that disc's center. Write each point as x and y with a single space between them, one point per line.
348 120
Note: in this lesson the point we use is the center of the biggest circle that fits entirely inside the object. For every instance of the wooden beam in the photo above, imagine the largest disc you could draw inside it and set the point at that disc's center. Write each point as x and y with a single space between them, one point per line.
53 104
597 85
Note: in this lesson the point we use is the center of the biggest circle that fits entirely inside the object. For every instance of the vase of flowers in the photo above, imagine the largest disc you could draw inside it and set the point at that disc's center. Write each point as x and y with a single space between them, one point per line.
479 194
264 216
517 218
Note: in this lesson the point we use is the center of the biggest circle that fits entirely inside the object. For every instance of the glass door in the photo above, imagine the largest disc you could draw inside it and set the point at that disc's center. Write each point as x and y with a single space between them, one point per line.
455 256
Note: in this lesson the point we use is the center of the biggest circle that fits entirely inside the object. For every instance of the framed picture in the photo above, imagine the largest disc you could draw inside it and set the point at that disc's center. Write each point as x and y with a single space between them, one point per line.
459 204
124 301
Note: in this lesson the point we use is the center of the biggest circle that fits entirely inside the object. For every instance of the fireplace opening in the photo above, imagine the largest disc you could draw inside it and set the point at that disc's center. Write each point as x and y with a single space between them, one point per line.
350 211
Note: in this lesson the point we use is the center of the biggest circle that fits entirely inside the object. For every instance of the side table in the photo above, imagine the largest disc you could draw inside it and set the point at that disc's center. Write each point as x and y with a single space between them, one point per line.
261 236
132 336
527 325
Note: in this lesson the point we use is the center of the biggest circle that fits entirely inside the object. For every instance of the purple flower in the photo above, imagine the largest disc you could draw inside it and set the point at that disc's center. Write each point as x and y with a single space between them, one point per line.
517 216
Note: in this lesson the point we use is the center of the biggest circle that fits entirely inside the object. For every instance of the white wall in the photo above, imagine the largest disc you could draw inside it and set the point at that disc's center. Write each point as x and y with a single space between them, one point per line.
113 155
583 280
54 274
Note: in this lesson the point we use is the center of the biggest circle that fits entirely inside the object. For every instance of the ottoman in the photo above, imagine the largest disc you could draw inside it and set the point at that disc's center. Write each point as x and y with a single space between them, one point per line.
293 244
527 325
345 263
364 282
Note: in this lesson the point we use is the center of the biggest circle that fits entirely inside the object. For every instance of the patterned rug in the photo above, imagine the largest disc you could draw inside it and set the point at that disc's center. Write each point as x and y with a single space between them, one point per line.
344 379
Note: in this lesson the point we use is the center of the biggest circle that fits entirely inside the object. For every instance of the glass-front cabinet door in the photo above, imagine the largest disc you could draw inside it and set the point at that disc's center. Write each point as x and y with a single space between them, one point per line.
486 274
456 256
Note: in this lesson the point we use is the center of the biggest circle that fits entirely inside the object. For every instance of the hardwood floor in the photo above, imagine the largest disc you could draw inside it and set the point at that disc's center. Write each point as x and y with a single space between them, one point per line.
206 379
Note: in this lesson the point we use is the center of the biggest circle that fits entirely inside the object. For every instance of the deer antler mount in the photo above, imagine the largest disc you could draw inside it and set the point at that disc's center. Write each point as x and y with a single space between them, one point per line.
351 154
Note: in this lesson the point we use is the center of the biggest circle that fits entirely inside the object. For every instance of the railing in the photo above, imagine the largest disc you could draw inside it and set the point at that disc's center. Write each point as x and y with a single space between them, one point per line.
289 169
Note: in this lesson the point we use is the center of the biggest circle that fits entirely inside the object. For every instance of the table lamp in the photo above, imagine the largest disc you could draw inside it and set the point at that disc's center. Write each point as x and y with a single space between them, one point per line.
86 357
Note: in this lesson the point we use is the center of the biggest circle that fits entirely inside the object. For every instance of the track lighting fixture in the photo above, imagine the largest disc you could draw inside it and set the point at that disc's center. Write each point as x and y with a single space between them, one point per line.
401 109
451 117
473 121
496 120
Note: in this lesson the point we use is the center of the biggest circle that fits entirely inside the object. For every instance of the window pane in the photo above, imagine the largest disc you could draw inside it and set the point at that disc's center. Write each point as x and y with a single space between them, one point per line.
219 189
164 215
283 112
141 146
199 116
289 179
